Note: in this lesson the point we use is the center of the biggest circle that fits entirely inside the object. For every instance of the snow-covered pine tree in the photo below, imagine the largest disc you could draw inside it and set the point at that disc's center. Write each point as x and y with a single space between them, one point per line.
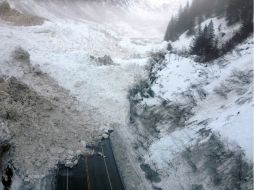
211 45
204 43
196 48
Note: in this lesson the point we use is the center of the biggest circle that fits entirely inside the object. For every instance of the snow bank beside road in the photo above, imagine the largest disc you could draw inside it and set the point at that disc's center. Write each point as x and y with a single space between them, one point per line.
46 123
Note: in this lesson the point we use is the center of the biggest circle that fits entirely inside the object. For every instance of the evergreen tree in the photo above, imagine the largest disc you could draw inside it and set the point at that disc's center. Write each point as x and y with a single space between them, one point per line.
210 39
212 43
197 42
205 43
185 20
170 33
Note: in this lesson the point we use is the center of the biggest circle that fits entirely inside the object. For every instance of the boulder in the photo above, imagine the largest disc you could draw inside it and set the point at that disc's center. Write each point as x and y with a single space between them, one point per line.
105 60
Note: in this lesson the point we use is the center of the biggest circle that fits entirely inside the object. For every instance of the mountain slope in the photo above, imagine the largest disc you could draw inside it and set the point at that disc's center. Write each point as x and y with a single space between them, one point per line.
193 121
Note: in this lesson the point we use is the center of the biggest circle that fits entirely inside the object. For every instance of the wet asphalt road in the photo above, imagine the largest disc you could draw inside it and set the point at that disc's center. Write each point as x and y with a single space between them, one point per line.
97 172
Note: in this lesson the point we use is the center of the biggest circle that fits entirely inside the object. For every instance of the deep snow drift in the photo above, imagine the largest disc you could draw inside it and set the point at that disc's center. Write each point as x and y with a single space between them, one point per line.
43 121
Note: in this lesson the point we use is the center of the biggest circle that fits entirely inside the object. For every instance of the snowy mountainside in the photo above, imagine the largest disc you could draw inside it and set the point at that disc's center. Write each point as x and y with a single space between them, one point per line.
222 32
194 121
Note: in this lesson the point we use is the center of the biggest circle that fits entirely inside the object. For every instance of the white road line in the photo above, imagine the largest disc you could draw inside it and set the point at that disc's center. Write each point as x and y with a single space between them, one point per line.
67 179
106 168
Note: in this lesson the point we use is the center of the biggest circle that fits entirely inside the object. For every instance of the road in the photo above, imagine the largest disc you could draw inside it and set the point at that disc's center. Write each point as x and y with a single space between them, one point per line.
97 172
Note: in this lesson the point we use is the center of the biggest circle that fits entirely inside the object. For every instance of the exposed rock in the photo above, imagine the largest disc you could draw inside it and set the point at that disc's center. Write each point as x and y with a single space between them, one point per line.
105 60
4 8
5 138
20 54
15 17
7 177
37 70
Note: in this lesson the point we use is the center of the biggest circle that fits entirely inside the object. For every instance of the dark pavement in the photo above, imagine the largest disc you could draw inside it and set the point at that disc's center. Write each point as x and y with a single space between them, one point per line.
97 172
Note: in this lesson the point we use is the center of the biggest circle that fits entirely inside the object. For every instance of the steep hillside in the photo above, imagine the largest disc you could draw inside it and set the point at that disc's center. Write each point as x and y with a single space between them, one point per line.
192 117
205 44
193 122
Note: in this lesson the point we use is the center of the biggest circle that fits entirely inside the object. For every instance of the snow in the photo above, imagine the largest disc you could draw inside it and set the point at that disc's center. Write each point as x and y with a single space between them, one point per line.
71 42
180 69
222 32
69 63
235 121
63 47
233 126
225 117
164 149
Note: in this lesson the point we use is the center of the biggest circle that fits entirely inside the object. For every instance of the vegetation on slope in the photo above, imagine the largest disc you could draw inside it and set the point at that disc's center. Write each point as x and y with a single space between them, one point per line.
205 44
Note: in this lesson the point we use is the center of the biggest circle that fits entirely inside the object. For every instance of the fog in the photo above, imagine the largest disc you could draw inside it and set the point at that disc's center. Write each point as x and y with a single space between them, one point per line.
146 18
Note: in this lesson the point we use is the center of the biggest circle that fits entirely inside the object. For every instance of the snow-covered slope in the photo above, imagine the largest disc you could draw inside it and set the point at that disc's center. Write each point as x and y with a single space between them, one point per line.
222 33
198 121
